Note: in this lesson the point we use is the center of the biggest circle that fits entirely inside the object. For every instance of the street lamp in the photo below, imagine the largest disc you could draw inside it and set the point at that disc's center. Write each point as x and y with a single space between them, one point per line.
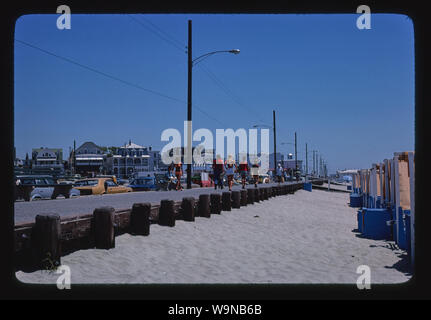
202 57
192 62
275 137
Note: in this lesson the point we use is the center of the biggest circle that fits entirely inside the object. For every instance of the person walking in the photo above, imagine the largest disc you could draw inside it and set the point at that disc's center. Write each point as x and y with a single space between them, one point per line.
178 174
279 173
255 171
218 168
230 171
243 171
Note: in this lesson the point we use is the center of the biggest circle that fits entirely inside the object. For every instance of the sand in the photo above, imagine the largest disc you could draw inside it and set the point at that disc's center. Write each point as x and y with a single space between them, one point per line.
307 237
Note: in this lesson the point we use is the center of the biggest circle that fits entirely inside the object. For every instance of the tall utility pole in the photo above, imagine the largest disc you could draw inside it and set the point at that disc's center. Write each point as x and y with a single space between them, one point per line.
314 170
74 156
275 143
296 161
189 104
320 165
306 161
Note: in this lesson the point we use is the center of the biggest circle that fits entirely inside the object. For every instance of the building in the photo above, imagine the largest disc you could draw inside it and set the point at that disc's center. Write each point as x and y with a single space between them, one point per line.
89 159
47 161
279 157
132 158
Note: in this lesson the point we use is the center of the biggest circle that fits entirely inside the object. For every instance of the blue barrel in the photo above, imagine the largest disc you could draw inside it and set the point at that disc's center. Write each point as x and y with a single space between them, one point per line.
375 224
308 186
349 187
355 200
404 230
379 202
394 226
360 221
408 230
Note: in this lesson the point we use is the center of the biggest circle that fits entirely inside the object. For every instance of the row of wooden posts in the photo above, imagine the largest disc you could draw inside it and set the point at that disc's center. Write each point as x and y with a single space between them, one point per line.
42 242
390 184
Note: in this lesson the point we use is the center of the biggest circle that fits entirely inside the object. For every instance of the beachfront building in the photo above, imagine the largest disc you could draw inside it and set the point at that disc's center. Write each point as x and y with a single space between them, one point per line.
47 161
89 159
132 158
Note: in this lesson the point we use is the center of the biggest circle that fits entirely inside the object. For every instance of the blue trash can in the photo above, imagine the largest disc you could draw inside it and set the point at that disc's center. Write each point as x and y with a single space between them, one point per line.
375 224
408 231
404 230
360 221
355 200
379 202
394 226
308 186
349 187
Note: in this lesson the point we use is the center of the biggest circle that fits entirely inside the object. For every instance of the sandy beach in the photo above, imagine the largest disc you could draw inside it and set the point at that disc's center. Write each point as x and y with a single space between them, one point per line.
307 237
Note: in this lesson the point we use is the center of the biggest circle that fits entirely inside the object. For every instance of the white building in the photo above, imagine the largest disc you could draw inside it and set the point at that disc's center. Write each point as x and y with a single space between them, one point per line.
132 158
89 158
47 159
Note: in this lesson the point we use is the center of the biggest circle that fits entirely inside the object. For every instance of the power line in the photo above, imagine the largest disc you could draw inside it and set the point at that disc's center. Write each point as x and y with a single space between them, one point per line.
113 77
165 33
227 91
157 34
209 73
99 72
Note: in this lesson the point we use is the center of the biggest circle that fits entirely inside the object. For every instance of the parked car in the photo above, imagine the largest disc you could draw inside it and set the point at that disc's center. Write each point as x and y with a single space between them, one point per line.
34 187
100 186
144 184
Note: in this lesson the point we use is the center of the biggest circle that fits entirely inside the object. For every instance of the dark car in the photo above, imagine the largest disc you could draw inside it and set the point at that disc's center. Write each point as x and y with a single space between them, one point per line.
32 187
144 184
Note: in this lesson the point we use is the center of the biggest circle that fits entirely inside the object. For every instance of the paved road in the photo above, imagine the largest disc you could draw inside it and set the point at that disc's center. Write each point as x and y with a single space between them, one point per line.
27 211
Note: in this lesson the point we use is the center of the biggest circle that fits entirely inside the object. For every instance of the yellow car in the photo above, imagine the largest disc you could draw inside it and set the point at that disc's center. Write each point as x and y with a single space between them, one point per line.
99 186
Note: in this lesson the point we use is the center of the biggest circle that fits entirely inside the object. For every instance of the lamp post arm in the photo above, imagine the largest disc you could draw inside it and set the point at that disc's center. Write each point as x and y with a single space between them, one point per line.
202 57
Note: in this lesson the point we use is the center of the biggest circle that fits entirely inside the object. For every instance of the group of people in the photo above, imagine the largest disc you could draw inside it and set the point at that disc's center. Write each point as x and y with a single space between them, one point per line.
220 169
229 168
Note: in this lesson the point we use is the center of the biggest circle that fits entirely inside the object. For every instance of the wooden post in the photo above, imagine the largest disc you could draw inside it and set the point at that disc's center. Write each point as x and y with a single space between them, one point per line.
411 158
382 196
226 201
236 199
243 197
215 199
262 193
140 218
269 192
387 184
250 196
266 193
188 208
46 241
397 194
204 206
104 235
167 213
392 164
256 195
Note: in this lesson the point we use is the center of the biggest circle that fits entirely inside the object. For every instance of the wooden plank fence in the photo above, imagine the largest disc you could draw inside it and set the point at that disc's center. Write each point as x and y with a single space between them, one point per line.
390 184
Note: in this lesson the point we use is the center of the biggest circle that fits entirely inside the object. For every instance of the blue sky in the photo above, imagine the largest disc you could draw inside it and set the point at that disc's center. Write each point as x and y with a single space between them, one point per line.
348 93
